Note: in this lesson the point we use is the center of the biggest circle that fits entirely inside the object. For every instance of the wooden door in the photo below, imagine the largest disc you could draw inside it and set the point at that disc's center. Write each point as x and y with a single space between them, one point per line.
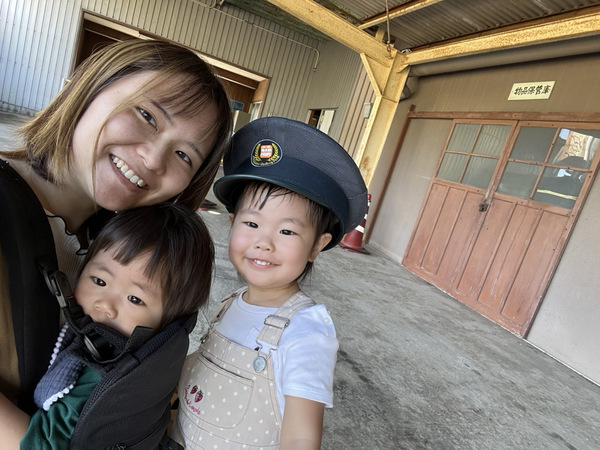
499 211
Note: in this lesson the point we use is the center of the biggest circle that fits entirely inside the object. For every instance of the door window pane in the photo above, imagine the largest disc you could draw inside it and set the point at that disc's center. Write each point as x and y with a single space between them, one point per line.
463 137
575 148
479 172
560 187
533 143
491 140
452 167
518 179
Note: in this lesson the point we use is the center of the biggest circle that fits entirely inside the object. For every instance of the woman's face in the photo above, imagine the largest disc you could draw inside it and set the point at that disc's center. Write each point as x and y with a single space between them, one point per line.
145 154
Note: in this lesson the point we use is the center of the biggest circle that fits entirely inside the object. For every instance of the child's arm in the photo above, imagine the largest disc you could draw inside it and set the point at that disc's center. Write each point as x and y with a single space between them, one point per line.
13 424
302 425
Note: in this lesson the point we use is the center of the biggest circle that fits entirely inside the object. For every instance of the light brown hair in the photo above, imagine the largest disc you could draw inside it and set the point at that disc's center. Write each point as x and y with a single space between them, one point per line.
49 135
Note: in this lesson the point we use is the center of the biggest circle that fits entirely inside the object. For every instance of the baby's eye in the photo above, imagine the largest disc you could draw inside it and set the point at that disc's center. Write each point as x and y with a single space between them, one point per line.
98 281
184 156
135 300
287 232
251 224
147 116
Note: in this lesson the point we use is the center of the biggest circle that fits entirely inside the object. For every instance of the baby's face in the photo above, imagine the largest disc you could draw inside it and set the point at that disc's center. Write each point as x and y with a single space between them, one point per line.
121 297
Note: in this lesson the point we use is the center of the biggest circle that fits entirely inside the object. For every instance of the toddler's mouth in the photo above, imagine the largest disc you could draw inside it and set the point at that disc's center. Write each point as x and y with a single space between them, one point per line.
261 263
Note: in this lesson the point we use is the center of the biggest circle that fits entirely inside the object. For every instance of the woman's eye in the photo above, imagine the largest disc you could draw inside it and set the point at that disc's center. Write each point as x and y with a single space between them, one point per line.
147 117
287 232
98 281
184 156
135 300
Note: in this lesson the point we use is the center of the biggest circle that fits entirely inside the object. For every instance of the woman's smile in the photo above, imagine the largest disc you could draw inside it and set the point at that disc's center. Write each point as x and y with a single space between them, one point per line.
127 172
145 153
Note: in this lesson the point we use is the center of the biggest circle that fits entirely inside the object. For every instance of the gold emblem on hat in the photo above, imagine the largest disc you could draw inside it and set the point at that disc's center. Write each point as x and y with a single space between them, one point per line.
265 153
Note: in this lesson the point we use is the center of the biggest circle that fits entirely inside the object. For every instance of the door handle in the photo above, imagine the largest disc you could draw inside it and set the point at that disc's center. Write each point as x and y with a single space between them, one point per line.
483 206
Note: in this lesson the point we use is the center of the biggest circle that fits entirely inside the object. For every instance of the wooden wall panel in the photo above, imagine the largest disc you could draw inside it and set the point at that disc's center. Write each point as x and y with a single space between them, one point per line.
426 225
534 268
486 246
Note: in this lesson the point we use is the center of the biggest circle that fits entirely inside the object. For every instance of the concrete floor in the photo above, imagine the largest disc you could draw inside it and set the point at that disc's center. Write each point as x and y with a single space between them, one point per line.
419 370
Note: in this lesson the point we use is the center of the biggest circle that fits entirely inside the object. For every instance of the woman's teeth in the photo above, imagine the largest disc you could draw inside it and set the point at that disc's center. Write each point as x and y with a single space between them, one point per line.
127 173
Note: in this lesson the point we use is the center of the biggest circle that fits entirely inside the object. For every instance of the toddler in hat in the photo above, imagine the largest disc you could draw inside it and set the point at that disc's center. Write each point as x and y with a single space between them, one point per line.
263 374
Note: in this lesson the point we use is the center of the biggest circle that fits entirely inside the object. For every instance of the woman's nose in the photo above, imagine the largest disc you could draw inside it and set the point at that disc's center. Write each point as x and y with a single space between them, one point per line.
153 156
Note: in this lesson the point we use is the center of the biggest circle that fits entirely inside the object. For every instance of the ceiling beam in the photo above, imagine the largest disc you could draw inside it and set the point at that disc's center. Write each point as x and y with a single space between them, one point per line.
329 23
398 11
577 24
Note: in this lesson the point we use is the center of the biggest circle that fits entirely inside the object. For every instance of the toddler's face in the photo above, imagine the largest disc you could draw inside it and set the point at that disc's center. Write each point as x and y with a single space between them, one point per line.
119 296
270 246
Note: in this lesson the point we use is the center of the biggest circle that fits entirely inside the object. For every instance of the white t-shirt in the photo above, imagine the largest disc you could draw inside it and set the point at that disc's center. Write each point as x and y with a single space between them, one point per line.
304 362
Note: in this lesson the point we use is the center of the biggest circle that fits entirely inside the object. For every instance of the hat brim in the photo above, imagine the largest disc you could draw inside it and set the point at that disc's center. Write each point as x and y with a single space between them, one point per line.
322 189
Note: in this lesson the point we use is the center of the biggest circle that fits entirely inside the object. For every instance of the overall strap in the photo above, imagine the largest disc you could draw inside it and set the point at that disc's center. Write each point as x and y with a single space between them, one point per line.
28 248
275 323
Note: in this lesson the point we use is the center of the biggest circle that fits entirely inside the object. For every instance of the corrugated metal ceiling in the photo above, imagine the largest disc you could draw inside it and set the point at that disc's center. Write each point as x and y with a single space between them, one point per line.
417 23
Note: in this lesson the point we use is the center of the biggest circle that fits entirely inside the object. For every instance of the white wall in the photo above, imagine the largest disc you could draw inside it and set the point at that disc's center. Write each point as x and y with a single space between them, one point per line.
38 41
567 325
334 83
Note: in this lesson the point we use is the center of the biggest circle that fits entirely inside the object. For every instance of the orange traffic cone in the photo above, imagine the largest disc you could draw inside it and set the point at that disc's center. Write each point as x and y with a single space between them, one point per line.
352 242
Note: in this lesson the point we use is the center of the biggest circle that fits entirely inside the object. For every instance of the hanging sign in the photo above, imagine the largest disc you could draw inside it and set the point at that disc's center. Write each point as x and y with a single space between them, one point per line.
536 90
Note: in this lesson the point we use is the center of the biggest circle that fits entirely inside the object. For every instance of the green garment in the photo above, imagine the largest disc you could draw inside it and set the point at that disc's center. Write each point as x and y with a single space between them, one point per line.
53 429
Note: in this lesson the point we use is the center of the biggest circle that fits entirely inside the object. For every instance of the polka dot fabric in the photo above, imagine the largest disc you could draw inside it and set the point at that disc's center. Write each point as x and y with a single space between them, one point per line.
223 402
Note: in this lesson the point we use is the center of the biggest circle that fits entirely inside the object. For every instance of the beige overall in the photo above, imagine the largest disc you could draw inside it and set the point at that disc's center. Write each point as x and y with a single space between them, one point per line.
227 394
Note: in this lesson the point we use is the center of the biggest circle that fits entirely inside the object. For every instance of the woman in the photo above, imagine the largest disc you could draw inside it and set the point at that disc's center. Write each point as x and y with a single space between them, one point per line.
140 122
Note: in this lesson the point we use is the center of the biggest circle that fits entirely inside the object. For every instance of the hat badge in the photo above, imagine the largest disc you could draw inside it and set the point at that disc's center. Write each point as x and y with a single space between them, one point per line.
266 153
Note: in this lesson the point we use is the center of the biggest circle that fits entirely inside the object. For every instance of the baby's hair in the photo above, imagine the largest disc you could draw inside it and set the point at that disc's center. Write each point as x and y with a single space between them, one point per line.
181 253
258 192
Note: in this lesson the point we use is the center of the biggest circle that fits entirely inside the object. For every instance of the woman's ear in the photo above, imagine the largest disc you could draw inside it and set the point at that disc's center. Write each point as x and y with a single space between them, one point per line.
322 241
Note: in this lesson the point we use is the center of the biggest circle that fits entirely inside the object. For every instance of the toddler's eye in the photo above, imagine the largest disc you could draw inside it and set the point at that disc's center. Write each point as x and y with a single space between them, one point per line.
147 116
287 232
184 156
251 224
98 281
135 300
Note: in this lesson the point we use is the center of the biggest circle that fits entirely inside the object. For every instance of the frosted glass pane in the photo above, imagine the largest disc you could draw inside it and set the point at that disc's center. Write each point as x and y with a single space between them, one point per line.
452 167
479 172
491 140
560 187
518 179
463 137
533 143
575 148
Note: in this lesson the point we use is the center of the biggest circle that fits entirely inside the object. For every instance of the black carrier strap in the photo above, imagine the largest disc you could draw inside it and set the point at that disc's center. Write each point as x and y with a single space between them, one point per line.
131 406
28 245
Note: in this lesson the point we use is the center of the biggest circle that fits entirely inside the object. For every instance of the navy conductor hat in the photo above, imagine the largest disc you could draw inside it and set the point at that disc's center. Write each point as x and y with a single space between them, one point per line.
298 157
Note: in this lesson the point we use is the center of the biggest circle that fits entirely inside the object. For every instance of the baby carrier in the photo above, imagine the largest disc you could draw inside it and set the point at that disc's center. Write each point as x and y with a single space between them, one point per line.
130 406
